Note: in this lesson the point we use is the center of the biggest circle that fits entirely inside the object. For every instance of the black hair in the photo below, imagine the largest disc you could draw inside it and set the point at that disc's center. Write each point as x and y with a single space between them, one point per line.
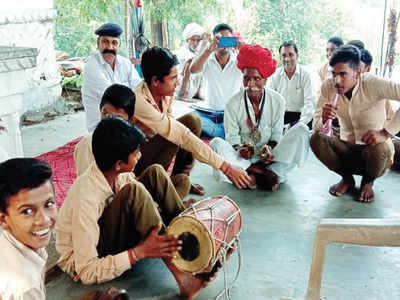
21 173
356 43
366 57
336 40
115 139
221 27
121 97
157 62
288 44
346 54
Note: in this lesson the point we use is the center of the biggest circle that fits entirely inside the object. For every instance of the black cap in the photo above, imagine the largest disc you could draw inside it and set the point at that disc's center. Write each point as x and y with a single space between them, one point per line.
109 29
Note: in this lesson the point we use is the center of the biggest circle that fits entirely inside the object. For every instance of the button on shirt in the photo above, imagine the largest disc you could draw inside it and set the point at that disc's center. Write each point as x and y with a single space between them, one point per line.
21 270
98 76
237 130
221 84
78 231
298 91
366 110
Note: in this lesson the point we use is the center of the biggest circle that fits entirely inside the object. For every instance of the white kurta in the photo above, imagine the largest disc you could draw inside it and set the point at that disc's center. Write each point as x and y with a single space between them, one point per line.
97 77
298 91
221 84
3 155
292 148
194 84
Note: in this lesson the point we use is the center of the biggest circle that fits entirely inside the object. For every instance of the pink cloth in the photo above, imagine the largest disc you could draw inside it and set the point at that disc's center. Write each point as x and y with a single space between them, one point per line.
62 163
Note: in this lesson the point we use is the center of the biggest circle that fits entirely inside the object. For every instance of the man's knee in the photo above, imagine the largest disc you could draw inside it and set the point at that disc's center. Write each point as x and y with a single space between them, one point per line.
380 151
192 121
156 171
216 142
316 142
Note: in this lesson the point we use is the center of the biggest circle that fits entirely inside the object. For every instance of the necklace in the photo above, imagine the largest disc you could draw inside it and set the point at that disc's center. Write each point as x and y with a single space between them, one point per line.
255 134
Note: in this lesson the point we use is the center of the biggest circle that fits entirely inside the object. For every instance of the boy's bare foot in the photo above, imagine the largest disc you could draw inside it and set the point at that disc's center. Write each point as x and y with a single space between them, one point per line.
190 285
340 188
367 193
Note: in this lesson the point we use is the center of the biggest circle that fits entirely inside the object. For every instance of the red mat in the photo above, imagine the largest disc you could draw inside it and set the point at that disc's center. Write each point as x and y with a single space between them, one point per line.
62 163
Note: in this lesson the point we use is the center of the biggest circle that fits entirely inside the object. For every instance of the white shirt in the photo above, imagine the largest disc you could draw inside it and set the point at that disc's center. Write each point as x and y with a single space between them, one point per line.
298 91
221 84
21 270
97 77
237 130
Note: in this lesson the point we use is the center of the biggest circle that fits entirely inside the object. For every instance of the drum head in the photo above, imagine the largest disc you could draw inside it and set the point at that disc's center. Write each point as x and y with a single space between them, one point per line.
198 246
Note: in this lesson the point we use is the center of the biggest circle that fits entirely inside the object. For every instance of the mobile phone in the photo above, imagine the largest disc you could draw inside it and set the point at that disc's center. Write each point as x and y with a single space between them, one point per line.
227 41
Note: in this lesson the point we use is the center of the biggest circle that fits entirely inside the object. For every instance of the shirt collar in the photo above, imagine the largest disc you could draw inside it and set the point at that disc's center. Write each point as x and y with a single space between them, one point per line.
143 87
297 71
356 88
40 256
230 61
100 182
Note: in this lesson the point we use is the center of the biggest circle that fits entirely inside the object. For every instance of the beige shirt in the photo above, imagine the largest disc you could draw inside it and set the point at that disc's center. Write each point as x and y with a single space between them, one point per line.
21 270
83 155
78 231
365 111
298 91
153 120
323 72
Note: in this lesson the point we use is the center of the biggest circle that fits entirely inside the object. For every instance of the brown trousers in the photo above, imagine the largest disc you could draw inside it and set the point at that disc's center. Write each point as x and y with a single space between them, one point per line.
345 158
159 150
136 209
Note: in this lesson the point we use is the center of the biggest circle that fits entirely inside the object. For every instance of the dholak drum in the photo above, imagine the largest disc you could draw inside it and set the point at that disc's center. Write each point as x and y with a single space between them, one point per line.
208 229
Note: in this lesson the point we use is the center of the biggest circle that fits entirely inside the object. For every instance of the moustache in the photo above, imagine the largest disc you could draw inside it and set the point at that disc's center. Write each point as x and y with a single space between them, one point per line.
109 51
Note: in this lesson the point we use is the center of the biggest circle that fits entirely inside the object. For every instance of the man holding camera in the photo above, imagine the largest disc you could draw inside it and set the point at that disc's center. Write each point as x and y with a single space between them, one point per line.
222 78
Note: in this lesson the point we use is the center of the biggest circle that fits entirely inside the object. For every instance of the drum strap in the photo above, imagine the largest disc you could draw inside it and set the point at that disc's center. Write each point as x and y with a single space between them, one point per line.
227 289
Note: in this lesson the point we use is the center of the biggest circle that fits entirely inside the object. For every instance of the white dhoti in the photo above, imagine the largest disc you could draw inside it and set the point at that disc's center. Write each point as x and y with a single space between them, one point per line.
3 155
291 152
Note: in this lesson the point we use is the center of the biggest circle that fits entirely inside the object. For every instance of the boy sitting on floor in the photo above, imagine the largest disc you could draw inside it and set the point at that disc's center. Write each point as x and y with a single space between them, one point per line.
105 227
119 101
27 214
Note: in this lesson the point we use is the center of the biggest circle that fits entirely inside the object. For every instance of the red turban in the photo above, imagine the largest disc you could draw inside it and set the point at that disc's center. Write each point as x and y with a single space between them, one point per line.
256 57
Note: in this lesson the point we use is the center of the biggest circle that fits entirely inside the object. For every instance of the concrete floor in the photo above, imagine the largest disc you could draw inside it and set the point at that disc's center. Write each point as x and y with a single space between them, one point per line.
277 236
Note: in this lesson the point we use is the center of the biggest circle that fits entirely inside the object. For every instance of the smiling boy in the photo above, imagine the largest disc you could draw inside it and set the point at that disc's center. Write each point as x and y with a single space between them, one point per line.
27 215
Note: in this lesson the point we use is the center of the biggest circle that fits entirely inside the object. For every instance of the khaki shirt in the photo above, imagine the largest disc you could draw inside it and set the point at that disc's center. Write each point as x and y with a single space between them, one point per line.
365 111
153 120
78 231
83 155
323 72
21 270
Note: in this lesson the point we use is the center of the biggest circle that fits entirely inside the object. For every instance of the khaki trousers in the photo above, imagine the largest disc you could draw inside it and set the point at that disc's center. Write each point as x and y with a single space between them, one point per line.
159 150
346 159
136 209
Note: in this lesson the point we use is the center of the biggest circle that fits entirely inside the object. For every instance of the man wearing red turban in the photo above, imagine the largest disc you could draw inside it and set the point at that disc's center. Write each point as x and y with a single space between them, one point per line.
253 124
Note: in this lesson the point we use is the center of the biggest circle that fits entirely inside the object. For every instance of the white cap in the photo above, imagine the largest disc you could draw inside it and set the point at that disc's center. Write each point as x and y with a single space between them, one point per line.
191 30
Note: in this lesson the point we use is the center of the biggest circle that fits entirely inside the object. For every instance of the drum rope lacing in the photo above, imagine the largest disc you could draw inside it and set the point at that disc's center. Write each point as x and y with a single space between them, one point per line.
235 243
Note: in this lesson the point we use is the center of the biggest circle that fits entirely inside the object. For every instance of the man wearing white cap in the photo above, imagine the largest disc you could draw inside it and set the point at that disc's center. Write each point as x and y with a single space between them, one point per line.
190 84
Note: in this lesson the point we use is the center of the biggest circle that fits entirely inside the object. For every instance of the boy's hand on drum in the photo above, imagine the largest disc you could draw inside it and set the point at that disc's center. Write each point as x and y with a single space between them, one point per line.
237 175
158 246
